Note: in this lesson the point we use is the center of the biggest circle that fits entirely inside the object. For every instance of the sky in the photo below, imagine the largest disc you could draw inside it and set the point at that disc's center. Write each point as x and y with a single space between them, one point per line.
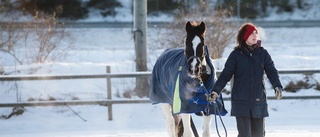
290 48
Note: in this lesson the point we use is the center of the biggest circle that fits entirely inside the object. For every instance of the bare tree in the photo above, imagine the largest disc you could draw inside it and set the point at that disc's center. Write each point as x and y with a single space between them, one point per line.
41 40
10 34
219 31
47 43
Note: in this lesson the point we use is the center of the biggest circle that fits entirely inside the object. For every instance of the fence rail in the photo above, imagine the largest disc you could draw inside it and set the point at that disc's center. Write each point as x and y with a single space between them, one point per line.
75 102
70 76
109 101
117 75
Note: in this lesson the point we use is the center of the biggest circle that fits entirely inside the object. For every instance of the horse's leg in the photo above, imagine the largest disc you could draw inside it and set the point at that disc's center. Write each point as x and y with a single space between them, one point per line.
170 122
178 125
206 125
187 131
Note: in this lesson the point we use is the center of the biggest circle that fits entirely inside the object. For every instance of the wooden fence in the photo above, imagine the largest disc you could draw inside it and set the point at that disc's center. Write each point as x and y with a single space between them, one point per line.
109 101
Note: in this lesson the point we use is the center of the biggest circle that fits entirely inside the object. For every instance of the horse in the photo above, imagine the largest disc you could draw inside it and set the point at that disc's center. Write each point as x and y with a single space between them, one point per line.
181 81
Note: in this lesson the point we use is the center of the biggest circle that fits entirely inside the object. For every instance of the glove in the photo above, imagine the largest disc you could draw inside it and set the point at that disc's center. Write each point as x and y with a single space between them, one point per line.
278 92
213 96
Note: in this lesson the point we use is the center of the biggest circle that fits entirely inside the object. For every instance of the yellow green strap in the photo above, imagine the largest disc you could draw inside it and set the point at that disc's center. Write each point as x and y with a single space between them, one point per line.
176 95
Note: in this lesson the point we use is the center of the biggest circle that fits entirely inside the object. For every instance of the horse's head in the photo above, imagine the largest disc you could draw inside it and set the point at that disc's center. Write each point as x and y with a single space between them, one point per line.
195 48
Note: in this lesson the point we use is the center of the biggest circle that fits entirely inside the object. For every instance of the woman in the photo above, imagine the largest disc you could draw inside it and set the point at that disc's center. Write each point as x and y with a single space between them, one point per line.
247 63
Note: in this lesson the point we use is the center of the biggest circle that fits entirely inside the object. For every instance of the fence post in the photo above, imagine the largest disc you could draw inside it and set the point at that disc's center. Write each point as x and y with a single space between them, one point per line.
109 97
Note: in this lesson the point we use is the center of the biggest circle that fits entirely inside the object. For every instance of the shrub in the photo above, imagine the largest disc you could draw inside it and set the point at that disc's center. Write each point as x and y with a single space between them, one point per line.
51 98
106 7
307 83
252 9
71 9
161 6
291 87
317 86
34 42
75 98
31 99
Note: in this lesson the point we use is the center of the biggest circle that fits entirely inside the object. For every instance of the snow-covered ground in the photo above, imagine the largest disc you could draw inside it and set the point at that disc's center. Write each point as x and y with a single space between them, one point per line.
288 118
94 51
290 48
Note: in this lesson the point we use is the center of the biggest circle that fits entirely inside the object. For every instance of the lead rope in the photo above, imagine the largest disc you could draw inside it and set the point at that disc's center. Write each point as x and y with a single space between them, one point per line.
215 118
216 110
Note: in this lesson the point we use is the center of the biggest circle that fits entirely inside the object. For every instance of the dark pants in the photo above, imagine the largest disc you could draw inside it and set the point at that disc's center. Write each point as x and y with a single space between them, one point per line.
250 127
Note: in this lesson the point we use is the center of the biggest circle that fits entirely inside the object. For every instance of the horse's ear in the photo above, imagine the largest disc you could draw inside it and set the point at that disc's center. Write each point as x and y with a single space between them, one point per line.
202 27
188 26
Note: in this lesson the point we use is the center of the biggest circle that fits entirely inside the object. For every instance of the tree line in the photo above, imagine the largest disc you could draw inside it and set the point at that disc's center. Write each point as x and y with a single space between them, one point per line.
79 9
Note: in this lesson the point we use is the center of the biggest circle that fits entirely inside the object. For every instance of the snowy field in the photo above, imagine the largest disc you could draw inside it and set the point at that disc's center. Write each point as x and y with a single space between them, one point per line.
145 120
97 48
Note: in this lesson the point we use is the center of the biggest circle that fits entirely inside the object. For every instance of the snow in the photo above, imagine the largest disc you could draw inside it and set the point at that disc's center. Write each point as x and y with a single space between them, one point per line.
309 12
290 48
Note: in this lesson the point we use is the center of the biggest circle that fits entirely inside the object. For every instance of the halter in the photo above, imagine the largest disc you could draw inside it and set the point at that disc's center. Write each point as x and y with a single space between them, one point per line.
194 57
200 62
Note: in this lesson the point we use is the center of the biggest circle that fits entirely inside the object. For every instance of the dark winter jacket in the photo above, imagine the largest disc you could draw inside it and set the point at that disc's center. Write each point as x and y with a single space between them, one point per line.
248 96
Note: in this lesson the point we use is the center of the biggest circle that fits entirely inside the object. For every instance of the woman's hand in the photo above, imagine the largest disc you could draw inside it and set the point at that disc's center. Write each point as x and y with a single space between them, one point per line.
213 96
278 92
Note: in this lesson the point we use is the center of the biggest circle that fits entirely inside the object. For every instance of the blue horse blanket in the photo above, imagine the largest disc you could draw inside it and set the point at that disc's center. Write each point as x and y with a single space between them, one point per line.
171 84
